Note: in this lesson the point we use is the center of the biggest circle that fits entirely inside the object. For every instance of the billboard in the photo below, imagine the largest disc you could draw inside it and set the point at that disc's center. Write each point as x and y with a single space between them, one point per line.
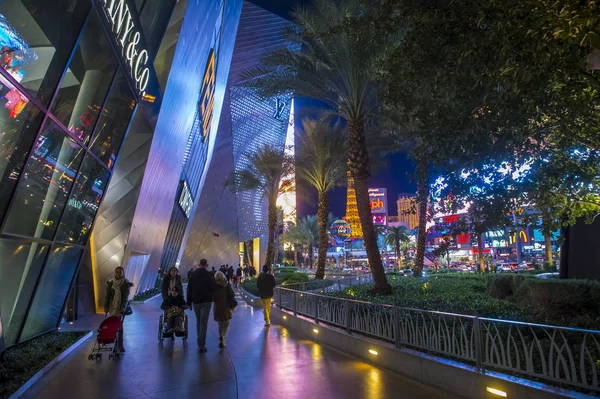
378 199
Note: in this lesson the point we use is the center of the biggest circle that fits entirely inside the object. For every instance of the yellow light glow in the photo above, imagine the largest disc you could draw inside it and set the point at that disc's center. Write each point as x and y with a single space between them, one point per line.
373 352
496 392
284 317
315 331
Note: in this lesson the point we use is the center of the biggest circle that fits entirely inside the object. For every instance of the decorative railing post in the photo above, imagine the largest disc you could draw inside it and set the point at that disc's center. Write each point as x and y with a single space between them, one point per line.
396 321
294 305
348 317
478 345
316 308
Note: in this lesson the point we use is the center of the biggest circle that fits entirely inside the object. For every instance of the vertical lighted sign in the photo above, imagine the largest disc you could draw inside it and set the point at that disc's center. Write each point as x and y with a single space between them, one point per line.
378 199
206 104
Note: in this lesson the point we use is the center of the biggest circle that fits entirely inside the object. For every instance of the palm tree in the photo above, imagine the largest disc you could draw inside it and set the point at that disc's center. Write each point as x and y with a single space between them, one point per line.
264 173
321 162
309 231
292 236
395 237
337 66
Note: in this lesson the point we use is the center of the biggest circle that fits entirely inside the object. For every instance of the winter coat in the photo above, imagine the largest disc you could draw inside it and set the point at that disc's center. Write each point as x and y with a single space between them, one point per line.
173 301
223 296
110 293
201 287
164 288
265 284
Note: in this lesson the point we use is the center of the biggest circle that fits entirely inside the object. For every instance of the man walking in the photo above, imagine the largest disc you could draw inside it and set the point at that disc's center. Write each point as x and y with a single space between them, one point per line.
200 294
265 284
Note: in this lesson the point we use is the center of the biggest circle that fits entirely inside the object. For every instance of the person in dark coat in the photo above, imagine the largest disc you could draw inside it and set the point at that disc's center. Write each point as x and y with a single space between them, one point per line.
116 299
265 284
229 273
223 311
171 280
200 294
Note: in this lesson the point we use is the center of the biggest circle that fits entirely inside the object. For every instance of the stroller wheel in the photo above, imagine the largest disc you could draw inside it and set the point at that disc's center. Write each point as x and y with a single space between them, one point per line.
110 356
90 357
117 356
99 356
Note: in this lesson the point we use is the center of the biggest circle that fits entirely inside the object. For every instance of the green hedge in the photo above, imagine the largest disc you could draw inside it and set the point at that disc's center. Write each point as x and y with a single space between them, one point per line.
249 285
573 303
23 361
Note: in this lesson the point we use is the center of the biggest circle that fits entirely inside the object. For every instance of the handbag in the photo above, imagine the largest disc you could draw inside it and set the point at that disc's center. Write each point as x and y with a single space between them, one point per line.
233 303
128 310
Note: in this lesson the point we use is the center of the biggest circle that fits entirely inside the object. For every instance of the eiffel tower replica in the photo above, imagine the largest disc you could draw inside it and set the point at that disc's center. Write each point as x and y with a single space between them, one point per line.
352 210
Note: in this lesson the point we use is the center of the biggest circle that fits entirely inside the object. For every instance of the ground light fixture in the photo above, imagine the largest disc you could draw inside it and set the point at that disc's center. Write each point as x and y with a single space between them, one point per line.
496 392
284 317
315 331
373 352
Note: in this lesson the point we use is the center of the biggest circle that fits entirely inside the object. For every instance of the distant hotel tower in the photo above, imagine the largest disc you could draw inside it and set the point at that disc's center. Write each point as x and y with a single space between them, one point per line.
407 210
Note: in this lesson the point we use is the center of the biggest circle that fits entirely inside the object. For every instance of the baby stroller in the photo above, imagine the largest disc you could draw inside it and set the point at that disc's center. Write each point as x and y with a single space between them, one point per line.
162 334
106 341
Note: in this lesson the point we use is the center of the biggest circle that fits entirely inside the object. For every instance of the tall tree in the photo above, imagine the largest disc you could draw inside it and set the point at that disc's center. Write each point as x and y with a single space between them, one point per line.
264 173
336 66
396 235
309 231
321 161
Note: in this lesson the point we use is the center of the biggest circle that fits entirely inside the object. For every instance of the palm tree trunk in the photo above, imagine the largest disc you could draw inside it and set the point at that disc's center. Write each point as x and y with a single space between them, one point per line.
311 256
547 236
358 163
296 255
397 249
422 171
322 217
480 252
271 223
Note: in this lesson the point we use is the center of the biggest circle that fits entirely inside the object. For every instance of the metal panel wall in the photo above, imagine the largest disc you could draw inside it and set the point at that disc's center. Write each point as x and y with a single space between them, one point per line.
222 220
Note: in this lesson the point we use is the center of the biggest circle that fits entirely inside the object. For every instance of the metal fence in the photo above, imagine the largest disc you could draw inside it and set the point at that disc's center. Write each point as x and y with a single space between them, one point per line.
568 356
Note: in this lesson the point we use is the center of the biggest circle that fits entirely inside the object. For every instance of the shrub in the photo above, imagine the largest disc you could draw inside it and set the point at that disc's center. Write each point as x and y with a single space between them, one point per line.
23 361
292 278
249 285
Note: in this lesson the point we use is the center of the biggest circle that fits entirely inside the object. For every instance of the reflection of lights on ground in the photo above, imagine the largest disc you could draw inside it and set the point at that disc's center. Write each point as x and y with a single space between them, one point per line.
496 392
374 387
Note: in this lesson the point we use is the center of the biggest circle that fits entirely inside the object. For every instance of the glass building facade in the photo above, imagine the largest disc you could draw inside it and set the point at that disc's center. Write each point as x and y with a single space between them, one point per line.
67 97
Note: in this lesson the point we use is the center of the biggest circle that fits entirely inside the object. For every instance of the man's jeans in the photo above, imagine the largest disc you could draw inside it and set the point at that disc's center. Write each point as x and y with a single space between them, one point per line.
202 311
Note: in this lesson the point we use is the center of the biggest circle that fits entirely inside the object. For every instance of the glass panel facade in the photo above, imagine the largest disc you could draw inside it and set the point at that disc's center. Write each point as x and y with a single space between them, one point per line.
20 121
113 122
44 188
65 107
36 39
84 202
52 290
84 86
19 270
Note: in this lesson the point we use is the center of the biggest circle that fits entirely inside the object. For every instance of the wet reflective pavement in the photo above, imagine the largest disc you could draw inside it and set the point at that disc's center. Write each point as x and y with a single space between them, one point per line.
258 362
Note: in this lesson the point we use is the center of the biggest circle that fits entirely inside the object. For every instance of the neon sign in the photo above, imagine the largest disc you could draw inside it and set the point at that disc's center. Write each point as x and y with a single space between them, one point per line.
128 38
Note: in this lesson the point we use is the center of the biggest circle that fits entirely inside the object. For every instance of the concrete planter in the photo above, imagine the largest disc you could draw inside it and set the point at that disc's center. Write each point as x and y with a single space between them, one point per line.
37 376
250 299
458 379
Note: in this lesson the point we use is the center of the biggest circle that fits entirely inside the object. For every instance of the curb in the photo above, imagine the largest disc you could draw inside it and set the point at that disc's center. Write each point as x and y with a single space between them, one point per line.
147 300
37 376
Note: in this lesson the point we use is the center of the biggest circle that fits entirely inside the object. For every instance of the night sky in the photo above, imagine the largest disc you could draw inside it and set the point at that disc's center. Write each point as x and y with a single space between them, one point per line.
394 176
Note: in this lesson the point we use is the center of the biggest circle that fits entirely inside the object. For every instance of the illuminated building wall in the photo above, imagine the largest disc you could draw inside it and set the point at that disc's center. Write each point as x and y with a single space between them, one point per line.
287 200
248 122
352 210
407 210
139 225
